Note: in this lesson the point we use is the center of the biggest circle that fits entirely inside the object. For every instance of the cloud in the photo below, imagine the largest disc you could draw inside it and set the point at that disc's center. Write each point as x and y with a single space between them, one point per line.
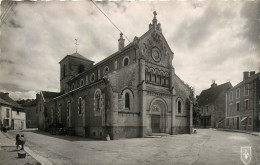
206 39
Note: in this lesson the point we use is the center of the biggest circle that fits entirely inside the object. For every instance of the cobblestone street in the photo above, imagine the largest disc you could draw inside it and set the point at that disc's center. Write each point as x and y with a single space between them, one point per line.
207 147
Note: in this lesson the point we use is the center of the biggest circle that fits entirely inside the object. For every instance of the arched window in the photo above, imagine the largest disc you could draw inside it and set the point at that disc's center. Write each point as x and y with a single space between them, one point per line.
64 70
97 102
153 78
126 61
81 68
147 75
167 79
106 70
127 101
81 82
80 106
179 106
92 77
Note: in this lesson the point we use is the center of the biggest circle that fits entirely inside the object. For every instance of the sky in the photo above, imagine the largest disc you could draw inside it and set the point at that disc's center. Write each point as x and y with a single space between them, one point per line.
210 40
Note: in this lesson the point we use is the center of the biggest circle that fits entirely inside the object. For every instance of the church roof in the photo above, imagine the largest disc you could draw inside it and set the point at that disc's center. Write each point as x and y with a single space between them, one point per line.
10 101
49 95
210 95
77 55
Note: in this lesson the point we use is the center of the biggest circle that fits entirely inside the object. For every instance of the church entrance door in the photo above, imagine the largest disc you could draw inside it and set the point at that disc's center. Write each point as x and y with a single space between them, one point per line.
155 123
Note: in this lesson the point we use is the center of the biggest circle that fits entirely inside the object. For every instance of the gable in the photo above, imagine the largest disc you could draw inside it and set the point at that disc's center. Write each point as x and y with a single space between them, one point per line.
154 48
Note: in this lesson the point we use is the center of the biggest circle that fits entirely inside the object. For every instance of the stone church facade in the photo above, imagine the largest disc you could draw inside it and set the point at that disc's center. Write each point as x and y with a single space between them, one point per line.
134 92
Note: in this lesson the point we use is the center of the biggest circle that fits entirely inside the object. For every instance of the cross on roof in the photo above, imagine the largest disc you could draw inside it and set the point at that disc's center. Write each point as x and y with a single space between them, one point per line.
154 13
76 43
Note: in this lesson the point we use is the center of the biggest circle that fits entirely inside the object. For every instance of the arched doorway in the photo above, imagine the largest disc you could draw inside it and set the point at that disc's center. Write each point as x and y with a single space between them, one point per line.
158 109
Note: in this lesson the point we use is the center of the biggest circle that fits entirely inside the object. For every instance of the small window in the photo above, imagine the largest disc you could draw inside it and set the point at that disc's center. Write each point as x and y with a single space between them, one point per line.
81 82
68 108
231 95
127 101
72 86
230 108
106 70
246 89
17 112
64 70
7 112
92 77
179 106
246 104
238 93
238 106
126 61
81 68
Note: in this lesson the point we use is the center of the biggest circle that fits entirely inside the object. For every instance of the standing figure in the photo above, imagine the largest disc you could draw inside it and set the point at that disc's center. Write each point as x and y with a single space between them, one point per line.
21 141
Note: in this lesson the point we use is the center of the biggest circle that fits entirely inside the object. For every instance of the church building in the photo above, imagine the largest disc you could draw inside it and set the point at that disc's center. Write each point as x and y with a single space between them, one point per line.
134 92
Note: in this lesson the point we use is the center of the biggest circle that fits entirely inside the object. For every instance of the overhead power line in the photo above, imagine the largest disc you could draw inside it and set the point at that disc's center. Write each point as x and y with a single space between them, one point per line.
109 19
7 12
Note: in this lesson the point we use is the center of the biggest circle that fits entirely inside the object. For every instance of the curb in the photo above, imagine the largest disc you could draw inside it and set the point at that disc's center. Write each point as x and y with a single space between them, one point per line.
239 131
40 159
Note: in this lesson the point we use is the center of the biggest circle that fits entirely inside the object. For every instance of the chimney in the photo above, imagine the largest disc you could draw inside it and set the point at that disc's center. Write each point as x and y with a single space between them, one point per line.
7 94
246 75
252 73
213 84
121 42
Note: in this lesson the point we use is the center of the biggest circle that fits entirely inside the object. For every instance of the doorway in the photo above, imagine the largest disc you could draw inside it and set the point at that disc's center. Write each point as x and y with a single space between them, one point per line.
155 123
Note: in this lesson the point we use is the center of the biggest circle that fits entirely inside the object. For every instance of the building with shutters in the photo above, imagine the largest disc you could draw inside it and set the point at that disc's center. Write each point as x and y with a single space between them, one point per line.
243 103
12 114
134 92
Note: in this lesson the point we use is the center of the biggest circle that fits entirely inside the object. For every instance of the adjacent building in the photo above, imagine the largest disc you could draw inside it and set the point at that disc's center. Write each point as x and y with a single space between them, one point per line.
211 103
243 103
31 112
134 92
12 114
44 115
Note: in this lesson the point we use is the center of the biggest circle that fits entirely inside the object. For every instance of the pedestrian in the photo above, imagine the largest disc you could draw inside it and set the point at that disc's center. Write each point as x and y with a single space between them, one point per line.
16 139
21 141
107 137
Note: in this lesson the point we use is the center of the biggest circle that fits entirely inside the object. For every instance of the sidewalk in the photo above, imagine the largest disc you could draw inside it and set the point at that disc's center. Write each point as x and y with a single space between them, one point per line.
9 153
240 131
